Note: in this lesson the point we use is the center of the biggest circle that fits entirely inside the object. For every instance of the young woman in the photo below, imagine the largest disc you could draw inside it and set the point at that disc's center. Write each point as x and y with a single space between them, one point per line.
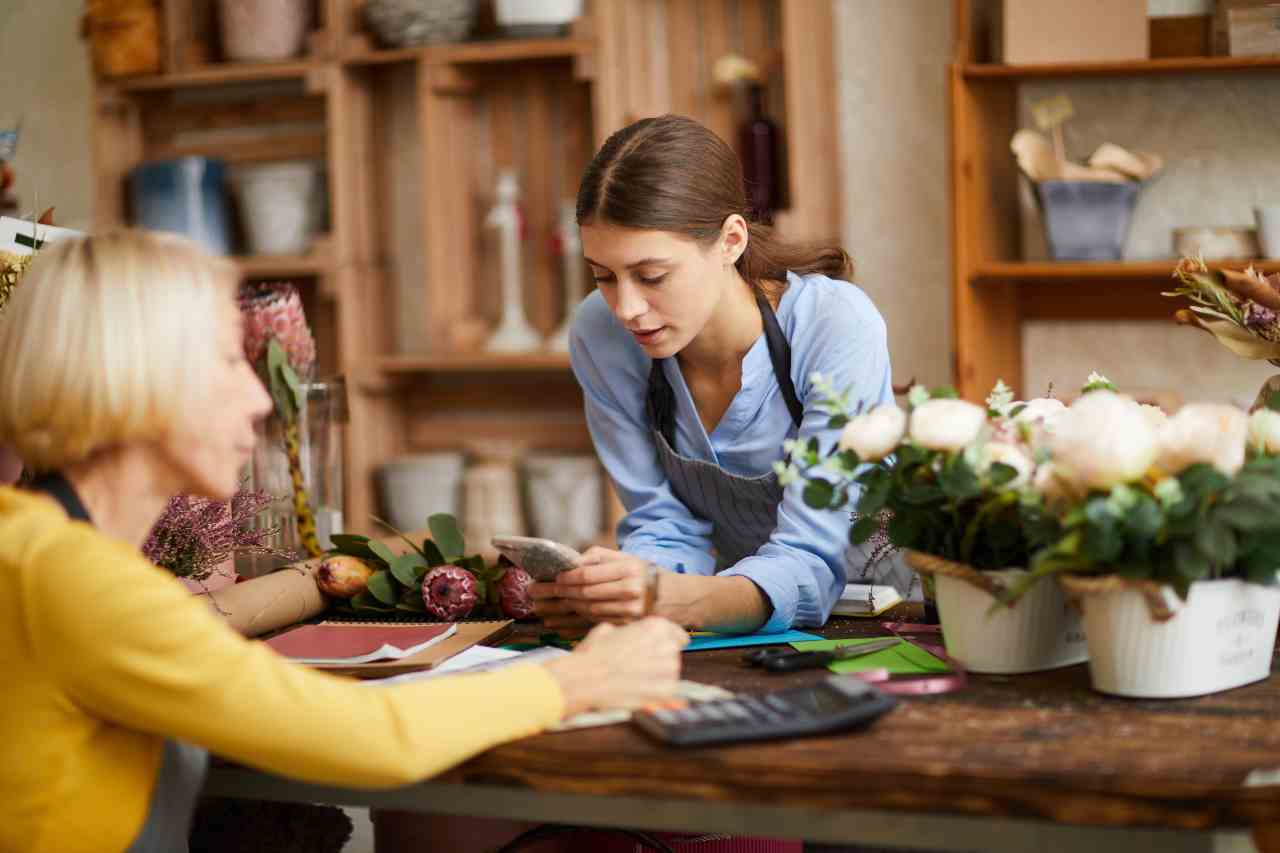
696 355
124 382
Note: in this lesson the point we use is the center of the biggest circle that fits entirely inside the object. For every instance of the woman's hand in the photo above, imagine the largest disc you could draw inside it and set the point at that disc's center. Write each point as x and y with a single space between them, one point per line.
606 586
621 667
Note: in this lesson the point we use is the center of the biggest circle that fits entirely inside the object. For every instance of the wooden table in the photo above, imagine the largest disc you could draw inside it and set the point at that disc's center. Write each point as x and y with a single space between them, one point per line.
1032 762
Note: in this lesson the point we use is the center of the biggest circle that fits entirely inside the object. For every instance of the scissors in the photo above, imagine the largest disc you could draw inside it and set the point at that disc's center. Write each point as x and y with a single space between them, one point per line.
789 660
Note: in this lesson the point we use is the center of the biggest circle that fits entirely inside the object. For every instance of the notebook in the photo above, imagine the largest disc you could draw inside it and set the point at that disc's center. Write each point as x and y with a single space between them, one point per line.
346 645
860 599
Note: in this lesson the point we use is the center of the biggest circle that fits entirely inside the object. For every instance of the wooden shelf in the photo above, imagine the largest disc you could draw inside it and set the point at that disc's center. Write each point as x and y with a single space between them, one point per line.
281 266
219 75
476 362
1135 67
1067 272
475 53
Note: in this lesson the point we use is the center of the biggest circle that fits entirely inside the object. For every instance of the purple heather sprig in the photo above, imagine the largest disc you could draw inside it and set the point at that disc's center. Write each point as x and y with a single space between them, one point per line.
194 535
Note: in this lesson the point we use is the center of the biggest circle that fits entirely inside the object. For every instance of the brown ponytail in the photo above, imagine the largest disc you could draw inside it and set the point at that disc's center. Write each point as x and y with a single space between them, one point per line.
672 174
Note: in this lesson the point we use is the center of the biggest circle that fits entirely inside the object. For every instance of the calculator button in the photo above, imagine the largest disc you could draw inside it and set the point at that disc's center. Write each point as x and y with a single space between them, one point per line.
665 717
735 710
712 711
779 705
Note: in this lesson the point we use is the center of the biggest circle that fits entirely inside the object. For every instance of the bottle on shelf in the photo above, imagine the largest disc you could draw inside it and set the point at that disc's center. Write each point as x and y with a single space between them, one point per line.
761 162
514 334
570 246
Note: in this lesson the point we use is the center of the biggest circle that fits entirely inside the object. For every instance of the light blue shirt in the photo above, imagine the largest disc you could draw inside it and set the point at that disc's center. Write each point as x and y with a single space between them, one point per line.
833 329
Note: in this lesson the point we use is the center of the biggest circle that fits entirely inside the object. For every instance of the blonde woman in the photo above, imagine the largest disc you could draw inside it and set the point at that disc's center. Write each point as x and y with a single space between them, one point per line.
123 382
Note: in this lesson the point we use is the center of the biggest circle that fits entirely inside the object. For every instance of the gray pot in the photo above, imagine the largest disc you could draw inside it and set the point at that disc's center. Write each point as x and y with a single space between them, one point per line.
1087 220
407 23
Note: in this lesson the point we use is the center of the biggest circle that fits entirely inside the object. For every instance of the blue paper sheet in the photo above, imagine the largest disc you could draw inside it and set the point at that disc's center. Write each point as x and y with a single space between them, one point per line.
702 642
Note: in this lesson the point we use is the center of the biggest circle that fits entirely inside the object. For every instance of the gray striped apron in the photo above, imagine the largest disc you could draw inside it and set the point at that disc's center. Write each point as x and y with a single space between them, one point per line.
743 511
182 766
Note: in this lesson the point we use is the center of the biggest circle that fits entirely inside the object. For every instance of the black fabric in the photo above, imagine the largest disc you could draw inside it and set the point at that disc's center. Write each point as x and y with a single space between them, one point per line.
60 489
661 398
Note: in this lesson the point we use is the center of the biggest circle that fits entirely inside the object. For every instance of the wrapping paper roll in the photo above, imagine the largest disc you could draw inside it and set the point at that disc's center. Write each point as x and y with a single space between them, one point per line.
273 601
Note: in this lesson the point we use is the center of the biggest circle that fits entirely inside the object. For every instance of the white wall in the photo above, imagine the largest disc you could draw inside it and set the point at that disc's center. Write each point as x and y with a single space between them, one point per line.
44 77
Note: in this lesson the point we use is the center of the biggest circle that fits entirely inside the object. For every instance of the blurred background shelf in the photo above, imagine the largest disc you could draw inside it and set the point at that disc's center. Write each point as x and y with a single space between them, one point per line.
1129 68
478 362
1067 272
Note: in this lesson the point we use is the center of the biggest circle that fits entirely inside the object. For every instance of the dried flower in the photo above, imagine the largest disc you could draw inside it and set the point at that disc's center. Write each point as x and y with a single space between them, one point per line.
194 535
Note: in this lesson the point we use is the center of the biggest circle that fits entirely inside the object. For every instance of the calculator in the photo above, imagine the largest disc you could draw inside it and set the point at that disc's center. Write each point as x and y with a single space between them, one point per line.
839 703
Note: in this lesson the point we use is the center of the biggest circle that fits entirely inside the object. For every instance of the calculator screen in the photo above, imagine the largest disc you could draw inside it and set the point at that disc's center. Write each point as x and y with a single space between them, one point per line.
820 699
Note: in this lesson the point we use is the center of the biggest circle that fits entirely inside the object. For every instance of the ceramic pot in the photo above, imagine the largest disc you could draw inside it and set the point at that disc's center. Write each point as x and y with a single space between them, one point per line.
124 36
565 497
278 203
263 30
1221 637
413 488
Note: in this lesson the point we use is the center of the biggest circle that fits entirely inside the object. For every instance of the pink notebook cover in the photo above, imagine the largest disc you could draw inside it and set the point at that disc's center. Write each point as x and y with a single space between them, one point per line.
349 641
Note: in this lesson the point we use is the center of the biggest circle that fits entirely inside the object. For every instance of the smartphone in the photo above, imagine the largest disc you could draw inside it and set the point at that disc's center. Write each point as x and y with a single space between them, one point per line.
541 558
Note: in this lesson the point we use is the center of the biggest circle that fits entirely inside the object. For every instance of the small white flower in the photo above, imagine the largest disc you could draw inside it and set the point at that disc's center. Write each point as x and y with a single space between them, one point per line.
1097 382
787 474
1101 441
917 396
1007 454
1000 398
1264 431
1204 432
874 435
946 424
1168 491
1042 409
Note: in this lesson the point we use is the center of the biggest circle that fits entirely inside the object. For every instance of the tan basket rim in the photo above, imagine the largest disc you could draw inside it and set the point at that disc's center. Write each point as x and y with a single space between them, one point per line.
1078 586
930 564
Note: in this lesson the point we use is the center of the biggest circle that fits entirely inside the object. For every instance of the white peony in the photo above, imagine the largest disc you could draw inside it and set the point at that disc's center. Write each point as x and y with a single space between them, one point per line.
1008 454
1204 432
1102 440
1264 431
875 434
1155 416
1040 409
946 424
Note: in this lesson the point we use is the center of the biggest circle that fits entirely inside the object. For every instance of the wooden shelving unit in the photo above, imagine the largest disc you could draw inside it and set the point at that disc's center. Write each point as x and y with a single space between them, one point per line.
994 292
540 106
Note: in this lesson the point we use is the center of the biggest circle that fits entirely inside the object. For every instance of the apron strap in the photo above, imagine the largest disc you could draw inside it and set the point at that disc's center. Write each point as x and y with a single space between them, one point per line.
60 489
780 355
660 401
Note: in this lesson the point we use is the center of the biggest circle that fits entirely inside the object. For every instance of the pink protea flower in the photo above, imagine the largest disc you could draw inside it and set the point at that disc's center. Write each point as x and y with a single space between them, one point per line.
513 593
449 592
274 310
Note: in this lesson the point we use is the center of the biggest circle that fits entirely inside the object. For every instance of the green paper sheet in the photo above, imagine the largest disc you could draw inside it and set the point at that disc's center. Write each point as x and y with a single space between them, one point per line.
902 659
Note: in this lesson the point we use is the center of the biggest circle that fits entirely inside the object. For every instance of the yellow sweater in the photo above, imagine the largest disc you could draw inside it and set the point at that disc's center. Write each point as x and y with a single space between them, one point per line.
104 656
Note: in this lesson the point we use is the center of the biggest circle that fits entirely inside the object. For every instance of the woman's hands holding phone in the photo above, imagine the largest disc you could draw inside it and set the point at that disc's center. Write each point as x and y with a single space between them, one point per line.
605 586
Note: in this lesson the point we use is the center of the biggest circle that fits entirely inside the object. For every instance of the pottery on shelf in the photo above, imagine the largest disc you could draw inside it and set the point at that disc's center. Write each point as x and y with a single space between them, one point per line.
565 497
279 203
415 487
571 264
535 18
263 30
514 334
405 23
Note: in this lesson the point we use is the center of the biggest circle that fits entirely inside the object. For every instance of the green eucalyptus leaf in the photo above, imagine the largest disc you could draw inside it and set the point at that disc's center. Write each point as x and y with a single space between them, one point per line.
446 535
351 545
944 392
432 554
409 568
958 480
875 494
1217 543
1189 563
837 421
1000 474
863 529
818 493
1249 516
905 530
383 588
363 600
382 552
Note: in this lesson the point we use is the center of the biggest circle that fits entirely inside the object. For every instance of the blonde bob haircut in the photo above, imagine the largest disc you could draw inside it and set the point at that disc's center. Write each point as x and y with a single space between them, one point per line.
103 342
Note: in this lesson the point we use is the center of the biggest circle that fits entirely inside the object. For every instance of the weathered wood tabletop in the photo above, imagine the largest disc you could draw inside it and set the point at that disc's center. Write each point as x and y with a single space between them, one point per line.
1043 747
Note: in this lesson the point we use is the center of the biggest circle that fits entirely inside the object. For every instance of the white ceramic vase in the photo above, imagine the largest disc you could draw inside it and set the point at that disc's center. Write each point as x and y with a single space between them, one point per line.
262 30
279 203
413 488
1268 219
565 497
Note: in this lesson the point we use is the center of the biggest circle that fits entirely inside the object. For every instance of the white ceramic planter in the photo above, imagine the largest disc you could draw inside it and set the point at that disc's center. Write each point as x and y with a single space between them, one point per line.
565 497
262 30
416 487
1040 632
1221 637
279 202
536 13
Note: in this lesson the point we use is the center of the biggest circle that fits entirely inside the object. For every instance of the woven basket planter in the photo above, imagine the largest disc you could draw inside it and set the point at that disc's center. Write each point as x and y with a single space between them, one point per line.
1040 631
1146 642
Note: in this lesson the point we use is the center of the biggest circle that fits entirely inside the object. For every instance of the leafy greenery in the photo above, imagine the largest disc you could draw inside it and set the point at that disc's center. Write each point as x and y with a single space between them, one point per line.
1201 525
396 583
